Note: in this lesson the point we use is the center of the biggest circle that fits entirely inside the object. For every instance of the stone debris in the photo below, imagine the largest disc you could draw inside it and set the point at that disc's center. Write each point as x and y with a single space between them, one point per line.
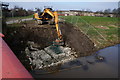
44 56
49 56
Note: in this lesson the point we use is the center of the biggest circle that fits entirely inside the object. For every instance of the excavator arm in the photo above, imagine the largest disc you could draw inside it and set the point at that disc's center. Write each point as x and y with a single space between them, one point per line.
36 16
49 12
55 17
57 26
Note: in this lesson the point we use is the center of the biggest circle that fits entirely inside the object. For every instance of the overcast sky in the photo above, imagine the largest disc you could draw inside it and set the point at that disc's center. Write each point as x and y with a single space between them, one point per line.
93 5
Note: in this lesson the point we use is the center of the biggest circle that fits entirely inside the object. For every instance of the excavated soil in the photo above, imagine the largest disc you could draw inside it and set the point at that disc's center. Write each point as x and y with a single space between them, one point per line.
43 36
77 40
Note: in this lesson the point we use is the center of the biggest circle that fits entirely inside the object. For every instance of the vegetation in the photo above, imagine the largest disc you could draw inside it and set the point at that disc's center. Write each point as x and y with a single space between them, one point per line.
103 31
16 18
18 12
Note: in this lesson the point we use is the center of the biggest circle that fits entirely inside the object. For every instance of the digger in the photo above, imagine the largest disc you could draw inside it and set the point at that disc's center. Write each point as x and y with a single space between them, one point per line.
50 16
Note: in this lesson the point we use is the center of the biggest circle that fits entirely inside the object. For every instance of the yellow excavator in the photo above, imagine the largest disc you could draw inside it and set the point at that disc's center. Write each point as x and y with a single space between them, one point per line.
50 16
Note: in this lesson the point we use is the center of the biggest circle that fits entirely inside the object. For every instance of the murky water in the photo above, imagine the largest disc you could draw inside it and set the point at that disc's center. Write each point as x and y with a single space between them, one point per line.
89 66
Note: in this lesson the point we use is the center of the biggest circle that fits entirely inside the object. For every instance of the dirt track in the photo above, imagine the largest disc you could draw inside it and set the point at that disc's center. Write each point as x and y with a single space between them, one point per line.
43 36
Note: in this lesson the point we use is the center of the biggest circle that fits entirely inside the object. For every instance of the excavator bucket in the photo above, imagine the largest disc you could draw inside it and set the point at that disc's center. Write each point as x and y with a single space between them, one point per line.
59 42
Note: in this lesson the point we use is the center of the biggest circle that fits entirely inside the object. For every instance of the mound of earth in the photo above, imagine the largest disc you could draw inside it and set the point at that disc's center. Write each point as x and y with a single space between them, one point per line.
77 40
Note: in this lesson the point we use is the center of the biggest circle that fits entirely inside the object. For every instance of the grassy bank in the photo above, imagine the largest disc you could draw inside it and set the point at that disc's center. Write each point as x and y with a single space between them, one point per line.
103 31
16 18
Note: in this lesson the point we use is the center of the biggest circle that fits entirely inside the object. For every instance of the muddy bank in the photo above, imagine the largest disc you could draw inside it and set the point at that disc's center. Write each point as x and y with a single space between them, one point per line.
77 40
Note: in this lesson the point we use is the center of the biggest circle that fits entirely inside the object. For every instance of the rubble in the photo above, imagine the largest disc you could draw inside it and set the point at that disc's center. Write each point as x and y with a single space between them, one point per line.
49 56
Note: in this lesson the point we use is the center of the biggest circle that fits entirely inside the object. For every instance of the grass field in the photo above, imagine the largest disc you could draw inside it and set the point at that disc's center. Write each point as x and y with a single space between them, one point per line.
92 20
16 18
103 31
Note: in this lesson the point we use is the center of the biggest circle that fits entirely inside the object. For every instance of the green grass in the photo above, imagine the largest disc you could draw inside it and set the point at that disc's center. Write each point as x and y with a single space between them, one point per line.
15 18
90 25
19 24
92 20
100 20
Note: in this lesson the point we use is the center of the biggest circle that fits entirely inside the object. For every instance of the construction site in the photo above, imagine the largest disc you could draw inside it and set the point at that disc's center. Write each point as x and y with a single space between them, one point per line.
46 41
36 41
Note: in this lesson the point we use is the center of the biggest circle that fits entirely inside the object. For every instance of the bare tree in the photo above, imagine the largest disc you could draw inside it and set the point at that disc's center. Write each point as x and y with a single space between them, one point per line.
20 11
30 11
38 9
107 11
99 11
114 11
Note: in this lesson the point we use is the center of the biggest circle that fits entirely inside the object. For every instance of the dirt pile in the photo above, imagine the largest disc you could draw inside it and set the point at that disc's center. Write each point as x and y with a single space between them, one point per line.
77 40
40 35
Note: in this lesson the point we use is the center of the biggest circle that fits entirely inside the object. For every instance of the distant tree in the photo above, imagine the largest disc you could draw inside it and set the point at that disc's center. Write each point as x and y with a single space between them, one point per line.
22 12
118 12
107 11
114 11
100 11
38 9
18 11
88 10
83 10
30 11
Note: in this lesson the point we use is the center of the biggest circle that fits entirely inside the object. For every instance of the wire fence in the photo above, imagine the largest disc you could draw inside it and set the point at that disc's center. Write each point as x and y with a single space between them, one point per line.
91 31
